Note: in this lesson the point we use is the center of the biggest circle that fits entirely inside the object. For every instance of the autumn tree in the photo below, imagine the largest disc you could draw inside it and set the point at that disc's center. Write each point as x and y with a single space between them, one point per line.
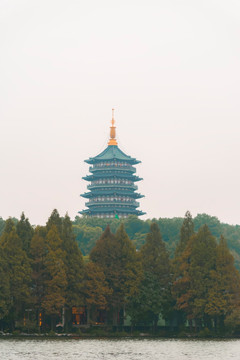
38 252
25 232
154 294
4 286
56 220
223 294
18 268
117 257
191 287
180 269
74 267
186 232
96 289
56 280
203 260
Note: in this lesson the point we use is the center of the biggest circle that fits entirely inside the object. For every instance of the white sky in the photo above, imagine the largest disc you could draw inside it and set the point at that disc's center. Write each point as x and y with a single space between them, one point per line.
171 69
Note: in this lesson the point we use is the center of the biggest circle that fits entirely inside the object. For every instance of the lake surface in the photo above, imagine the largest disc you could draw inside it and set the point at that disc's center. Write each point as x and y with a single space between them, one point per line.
124 349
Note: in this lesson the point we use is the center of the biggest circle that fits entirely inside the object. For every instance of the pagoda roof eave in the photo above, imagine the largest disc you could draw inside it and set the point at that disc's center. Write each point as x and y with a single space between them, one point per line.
121 176
112 192
113 210
112 152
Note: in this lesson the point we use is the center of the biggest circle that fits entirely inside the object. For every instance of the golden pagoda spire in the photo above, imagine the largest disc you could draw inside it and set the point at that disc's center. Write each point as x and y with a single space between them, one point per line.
112 140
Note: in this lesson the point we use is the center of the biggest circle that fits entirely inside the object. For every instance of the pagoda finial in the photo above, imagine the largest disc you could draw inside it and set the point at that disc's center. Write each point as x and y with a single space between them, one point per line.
112 140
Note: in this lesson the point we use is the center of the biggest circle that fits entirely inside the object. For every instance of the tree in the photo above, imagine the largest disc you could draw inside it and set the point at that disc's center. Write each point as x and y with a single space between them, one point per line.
223 294
86 237
203 260
182 283
2 225
96 288
18 267
74 268
56 220
117 257
25 232
192 285
38 252
56 281
4 286
180 268
186 232
155 286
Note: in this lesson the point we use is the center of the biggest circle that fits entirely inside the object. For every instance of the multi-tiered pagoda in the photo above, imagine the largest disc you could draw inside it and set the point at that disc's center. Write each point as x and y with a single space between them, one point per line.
112 189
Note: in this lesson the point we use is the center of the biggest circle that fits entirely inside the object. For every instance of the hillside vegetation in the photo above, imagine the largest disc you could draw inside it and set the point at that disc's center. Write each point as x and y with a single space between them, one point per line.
88 230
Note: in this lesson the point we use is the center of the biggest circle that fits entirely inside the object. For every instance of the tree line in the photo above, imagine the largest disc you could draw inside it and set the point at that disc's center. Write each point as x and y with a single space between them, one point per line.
44 277
88 230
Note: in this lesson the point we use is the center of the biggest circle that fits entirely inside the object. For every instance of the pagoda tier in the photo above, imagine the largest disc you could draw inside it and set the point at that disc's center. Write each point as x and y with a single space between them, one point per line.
111 154
95 193
111 188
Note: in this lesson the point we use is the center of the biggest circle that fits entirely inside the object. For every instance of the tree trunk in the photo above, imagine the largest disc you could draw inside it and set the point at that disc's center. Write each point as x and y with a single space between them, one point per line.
53 323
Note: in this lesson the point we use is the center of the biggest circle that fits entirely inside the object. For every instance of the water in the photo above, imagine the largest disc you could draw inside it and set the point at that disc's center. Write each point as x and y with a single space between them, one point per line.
128 349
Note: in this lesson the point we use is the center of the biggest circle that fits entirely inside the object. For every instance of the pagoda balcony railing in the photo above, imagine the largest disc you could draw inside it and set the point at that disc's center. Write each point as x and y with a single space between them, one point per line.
112 167
112 186
114 202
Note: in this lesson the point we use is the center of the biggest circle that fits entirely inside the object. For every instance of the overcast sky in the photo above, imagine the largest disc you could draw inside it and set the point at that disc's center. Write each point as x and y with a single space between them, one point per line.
170 68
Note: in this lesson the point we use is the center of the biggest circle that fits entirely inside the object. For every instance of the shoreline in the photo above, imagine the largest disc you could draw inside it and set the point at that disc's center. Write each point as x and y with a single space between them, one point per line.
118 336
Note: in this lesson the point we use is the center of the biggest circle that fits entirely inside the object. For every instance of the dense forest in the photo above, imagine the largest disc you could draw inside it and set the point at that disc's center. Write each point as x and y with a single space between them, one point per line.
46 282
88 230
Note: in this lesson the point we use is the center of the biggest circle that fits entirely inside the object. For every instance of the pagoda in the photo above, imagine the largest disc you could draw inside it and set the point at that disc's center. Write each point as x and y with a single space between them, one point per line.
112 192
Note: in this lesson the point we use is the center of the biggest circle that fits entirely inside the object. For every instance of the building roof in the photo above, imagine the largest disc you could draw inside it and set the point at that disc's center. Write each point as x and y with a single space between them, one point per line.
112 152
116 210
97 192
105 175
